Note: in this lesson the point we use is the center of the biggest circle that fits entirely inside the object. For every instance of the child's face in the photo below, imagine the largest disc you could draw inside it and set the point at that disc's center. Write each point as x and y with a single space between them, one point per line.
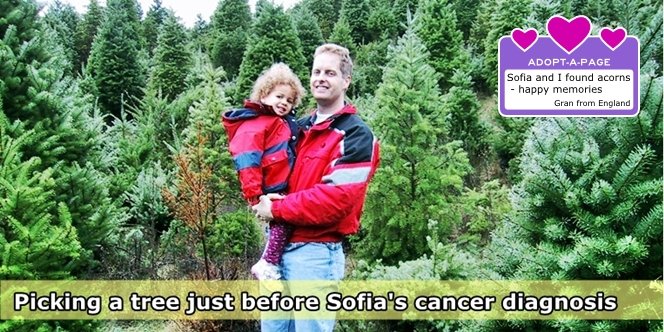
281 99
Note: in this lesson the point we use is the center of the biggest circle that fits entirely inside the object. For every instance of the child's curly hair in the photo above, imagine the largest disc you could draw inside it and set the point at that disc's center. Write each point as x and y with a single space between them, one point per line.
279 73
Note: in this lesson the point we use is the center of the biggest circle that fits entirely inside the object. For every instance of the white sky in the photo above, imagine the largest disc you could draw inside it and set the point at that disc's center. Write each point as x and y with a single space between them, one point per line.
185 9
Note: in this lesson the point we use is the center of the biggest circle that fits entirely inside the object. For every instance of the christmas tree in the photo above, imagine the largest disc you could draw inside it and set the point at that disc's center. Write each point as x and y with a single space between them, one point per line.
421 174
172 60
114 60
273 39
229 32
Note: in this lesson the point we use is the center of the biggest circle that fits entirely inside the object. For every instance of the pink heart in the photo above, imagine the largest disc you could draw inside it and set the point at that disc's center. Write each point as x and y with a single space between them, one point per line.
613 38
568 34
524 39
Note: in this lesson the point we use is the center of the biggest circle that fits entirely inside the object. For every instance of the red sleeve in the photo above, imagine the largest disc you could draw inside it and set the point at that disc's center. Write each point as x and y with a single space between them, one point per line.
246 148
321 205
342 187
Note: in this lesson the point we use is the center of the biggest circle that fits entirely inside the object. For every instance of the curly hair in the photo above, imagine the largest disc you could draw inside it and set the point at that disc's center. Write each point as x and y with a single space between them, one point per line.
343 53
279 73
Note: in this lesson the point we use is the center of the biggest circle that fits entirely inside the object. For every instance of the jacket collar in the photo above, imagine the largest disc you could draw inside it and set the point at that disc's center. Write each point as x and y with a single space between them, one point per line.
347 109
258 107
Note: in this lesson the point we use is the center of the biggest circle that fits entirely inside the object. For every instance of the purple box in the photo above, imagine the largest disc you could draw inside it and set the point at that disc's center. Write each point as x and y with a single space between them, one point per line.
592 81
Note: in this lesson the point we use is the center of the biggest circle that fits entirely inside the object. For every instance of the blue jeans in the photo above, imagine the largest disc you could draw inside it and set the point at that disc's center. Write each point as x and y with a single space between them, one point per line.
308 261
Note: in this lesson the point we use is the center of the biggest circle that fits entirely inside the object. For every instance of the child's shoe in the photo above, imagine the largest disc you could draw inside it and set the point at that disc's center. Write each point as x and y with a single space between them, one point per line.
263 270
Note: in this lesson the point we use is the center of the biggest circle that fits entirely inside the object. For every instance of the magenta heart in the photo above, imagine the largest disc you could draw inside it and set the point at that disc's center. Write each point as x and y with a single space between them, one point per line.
524 39
613 38
568 34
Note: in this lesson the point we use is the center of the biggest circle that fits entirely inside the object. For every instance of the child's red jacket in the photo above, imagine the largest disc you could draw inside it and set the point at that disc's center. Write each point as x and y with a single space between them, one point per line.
262 146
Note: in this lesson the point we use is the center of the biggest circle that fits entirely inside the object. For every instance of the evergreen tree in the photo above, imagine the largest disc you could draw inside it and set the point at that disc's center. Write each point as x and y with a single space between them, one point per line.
441 262
509 14
308 32
114 60
205 113
341 35
356 13
401 8
466 13
134 13
63 130
138 255
152 25
192 202
507 140
437 27
542 10
421 176
644 19
482 25
273 39
199 34
138 158
608 180
368 68
130 145
157 119
227 231
37 237
600 12
463 121
382 23
64 20
229 32
590 202
326 13
172 60
86 32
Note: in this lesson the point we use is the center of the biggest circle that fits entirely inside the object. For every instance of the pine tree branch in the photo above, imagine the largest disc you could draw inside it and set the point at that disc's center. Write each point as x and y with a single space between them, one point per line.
567 134
655 33
519 225
520 255
656 117
632 171
626 141
647 95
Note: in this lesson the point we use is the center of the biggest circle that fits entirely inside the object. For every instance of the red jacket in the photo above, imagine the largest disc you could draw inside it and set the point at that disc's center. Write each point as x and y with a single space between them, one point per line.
262 146
336 160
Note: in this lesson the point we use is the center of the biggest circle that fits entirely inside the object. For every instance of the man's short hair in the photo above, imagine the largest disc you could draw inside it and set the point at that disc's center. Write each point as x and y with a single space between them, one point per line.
279 73
342 52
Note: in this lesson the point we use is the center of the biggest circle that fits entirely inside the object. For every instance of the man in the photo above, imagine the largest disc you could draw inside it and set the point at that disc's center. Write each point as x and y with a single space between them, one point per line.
337 155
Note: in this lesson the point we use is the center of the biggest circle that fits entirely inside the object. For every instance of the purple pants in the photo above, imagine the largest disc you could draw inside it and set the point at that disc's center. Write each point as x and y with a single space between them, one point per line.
279 235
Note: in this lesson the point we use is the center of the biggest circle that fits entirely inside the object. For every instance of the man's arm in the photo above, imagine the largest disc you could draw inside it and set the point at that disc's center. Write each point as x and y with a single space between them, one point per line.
339 189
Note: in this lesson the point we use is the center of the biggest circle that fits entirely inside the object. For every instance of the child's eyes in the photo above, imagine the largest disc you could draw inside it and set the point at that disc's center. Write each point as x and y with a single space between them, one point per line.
289 100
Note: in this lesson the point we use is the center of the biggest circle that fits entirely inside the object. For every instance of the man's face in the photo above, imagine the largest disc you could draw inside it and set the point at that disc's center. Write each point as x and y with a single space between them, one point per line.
327 83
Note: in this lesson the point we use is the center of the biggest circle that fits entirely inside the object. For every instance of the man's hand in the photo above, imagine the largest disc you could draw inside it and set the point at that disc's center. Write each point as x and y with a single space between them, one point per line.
274 197
263 209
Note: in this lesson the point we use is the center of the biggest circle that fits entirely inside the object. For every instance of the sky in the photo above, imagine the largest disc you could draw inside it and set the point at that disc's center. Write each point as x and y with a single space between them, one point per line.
185 9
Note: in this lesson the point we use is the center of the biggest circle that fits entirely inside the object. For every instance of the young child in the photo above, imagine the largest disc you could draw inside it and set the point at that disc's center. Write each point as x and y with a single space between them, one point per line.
262 138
